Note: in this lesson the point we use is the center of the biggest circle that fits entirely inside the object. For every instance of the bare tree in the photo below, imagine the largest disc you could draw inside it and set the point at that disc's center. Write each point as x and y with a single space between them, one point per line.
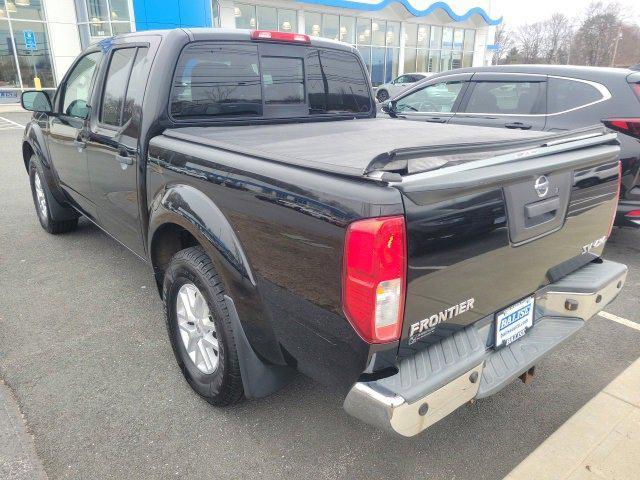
558 32
595 40
628 51
530 40
503 42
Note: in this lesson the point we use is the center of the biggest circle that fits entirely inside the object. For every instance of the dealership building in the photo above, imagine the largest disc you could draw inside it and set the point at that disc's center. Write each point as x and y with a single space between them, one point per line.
40 38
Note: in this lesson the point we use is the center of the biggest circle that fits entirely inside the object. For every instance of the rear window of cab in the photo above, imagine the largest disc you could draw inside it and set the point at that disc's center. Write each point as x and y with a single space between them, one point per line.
215 80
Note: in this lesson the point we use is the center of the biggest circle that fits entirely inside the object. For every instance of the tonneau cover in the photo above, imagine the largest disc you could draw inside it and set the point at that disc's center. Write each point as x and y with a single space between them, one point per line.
347 147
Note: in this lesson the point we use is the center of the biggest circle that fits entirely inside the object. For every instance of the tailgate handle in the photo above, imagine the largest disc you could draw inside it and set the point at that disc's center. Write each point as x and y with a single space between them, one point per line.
534 210
520 125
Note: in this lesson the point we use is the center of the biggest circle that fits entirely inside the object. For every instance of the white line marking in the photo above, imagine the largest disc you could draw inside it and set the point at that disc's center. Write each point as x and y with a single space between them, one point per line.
11 121
620 320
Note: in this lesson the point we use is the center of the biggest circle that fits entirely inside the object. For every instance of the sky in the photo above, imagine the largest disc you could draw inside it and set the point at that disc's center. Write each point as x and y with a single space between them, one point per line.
517 12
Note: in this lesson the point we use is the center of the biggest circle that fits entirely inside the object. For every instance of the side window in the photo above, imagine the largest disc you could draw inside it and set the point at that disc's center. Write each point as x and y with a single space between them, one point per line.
136 88
283 80
401 79
565 94
77 87
216 80
116 85
439 97
336 83
520 98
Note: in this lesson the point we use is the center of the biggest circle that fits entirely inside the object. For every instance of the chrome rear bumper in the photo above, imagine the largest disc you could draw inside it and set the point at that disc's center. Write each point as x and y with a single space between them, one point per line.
561 310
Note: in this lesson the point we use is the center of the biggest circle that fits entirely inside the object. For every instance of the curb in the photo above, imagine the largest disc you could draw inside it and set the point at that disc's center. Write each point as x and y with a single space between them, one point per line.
601 441
18 458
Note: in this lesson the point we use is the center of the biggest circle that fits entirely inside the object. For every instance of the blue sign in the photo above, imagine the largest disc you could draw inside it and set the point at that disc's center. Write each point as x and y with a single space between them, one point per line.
30 40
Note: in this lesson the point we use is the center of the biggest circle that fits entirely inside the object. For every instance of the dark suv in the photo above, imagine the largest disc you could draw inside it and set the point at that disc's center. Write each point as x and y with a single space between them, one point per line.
538 97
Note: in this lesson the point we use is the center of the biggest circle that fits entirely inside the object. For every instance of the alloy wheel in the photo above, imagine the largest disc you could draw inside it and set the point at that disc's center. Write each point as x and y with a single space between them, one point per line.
197 329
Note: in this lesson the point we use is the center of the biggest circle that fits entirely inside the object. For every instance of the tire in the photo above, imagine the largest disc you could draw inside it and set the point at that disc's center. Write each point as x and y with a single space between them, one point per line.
382 95
41 200
222 385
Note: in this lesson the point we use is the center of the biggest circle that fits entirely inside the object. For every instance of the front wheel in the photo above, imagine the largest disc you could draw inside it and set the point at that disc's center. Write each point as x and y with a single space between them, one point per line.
200 329
40 193
382 95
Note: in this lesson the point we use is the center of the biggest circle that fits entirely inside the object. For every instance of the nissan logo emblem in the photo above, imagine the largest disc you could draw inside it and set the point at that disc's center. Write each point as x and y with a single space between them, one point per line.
541 185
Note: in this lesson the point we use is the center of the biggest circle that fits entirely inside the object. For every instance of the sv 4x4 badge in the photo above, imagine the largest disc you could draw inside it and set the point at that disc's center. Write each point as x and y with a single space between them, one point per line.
595 244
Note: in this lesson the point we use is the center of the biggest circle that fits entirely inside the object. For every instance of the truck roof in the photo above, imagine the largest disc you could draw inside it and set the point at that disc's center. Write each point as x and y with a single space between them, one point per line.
347 147
232 34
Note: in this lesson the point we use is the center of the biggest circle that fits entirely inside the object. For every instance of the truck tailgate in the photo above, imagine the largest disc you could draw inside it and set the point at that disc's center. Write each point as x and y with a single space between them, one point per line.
483 235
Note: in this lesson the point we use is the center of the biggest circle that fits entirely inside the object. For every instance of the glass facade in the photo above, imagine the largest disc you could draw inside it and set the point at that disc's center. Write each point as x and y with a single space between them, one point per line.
425 48
25 56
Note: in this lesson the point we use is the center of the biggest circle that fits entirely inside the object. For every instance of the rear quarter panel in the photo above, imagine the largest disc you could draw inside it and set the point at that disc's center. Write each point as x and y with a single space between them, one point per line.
290 223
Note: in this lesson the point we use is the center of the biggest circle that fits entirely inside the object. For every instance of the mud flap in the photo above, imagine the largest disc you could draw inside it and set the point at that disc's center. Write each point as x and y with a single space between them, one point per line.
258 378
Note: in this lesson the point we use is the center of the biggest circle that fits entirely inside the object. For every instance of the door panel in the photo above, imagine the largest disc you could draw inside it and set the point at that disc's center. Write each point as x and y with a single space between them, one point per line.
113 145
68 132
504 101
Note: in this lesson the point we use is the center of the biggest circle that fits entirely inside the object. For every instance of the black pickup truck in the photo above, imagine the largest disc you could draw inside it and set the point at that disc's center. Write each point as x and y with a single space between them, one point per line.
247 168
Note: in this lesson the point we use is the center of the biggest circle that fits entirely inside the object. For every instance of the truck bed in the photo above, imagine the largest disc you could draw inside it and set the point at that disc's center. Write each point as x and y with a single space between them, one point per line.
349 147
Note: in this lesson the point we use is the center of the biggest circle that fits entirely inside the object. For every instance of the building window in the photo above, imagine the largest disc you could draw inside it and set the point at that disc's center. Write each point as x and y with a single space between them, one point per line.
8 70
34 63
25 9
265 18
378 41
435 49
104 18
25 57
215 14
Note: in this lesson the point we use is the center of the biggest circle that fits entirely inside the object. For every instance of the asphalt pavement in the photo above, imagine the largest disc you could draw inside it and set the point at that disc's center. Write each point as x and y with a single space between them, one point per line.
85 354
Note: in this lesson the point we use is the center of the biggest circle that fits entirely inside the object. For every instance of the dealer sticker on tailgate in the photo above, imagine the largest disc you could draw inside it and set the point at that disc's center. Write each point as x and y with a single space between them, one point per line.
513 322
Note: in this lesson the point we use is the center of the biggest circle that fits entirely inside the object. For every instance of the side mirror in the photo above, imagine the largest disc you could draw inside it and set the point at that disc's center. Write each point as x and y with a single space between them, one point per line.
36 101
389 108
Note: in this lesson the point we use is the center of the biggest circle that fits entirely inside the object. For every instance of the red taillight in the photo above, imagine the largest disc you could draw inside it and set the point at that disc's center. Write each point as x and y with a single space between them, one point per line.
374 277
276 36
628 126
633 214
615 204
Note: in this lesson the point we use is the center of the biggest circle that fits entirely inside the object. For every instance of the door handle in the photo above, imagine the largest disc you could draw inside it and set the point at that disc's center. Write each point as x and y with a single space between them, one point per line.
437 120
124 158
79 144
520 125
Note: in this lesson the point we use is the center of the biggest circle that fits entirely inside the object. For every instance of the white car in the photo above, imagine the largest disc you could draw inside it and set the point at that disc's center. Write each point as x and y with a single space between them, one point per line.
388 90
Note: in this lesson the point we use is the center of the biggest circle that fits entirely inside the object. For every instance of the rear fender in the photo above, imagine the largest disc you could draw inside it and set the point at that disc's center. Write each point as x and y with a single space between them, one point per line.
191 209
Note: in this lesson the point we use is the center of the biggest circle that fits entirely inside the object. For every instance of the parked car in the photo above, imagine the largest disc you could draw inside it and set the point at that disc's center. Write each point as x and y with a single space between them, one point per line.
538 97
387 90
412 275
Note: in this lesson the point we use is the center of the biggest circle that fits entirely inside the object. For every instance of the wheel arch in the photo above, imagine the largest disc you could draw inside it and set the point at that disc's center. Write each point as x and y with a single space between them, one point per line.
34 143
182 216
